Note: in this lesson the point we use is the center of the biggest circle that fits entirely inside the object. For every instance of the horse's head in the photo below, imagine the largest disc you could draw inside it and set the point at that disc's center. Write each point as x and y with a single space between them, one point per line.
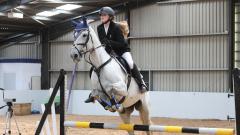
81 40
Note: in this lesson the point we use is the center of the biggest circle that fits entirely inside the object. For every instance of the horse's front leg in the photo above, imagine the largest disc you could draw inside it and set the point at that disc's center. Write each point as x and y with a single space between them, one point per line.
95 93
125 116
144 112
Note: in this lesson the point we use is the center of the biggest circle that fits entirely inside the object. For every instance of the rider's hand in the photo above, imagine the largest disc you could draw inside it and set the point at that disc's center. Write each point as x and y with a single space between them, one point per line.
108 49
106 42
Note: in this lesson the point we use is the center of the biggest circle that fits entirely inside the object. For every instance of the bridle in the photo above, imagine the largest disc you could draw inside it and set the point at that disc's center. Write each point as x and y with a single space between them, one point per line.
83 53
113 103
85 44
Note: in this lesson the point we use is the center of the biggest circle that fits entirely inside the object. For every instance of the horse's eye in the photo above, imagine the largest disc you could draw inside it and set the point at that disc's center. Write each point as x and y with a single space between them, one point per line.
84 35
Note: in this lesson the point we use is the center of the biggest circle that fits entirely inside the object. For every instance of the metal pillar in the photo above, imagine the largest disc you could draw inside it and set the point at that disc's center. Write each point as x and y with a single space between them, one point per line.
45 81
236 78
231 38
62 104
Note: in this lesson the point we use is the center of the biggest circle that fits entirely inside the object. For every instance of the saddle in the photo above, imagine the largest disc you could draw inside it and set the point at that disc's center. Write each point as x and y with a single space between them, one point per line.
121 61
124 64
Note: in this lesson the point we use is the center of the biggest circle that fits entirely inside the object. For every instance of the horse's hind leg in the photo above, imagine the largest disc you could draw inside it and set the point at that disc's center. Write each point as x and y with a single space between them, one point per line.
143 109
125 116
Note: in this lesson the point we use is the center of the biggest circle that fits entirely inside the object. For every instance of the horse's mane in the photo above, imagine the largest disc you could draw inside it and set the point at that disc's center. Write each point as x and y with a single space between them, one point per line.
94 35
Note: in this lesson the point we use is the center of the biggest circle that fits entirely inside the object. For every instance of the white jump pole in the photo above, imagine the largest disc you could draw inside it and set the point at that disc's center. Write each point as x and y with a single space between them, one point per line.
54 120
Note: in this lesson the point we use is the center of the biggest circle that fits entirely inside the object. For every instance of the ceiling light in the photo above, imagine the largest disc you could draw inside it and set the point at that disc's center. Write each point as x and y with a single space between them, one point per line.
47 13
3 28
42 18
22 7
62 11
2 14
15 15
69 7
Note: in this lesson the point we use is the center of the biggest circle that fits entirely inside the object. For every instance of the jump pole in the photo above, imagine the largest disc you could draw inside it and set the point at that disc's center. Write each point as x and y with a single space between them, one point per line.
154 128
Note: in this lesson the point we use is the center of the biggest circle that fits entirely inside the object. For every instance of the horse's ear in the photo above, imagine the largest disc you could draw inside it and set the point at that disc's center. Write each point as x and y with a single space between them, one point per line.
84 19
85 24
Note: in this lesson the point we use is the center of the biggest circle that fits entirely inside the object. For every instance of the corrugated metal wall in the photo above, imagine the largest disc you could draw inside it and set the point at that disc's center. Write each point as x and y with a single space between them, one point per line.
30 49
179 46
237 36
182 45
60 58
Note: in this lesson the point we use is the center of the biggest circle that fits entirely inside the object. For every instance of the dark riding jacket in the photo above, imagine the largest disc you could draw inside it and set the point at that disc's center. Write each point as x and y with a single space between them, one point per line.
114 39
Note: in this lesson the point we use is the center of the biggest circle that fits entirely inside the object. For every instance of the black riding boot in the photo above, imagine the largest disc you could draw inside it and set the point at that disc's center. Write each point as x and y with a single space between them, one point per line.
137 76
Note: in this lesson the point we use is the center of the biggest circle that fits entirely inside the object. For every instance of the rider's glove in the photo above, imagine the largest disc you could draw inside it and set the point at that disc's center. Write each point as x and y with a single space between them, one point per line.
106 42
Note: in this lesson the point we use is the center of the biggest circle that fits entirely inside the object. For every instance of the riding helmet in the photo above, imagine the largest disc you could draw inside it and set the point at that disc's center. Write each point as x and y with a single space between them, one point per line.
107 10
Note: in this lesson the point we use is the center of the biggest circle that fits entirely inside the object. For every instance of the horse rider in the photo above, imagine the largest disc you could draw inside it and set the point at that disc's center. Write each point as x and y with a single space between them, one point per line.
111 35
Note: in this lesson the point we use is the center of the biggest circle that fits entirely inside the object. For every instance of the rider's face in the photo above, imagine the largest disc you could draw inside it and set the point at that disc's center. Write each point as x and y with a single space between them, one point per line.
104 18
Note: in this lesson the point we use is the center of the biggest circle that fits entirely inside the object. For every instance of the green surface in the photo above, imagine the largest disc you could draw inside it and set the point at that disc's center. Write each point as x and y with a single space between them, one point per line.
56 100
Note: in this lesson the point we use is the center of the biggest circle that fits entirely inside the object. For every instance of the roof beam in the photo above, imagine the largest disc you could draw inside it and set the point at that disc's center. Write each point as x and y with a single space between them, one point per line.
70 1
29 16
45 18
10 4
18 27
16 38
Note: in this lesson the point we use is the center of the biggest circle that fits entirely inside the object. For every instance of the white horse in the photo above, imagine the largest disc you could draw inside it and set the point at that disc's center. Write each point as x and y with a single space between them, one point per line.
109 80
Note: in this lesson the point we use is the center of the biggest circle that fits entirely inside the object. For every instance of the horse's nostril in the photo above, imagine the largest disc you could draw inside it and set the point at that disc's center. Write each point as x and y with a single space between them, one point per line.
75 55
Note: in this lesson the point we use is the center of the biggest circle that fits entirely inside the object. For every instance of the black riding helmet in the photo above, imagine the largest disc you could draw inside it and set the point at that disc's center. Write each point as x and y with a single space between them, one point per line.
107 10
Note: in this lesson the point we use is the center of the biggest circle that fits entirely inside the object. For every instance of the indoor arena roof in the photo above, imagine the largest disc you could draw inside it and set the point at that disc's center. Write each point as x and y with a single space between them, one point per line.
22 17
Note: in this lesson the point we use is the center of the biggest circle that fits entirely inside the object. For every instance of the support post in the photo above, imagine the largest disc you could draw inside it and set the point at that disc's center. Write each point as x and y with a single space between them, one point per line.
45 81
236 78
62 106
231 24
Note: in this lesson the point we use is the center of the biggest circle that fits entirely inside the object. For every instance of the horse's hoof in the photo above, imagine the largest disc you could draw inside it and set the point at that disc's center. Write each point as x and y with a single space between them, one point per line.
121 110
89 100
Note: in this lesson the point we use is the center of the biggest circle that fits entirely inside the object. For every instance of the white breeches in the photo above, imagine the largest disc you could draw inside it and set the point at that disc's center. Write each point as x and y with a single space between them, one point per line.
128 57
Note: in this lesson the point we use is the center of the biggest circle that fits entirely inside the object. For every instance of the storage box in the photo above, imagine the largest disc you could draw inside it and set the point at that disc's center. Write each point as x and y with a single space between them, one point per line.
22 108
